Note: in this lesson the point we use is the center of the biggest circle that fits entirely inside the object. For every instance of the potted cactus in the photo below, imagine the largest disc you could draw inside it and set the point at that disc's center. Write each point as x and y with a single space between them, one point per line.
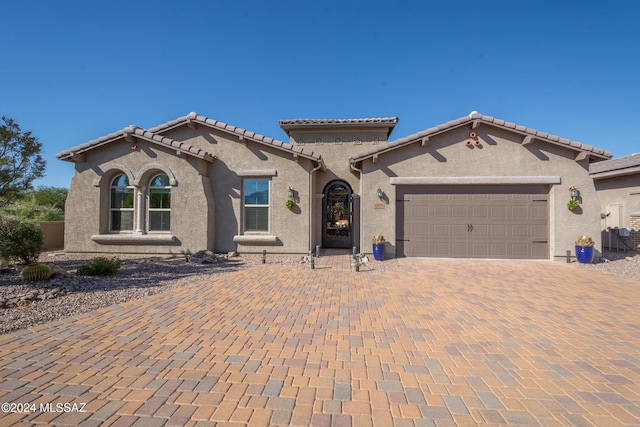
378 247
584 250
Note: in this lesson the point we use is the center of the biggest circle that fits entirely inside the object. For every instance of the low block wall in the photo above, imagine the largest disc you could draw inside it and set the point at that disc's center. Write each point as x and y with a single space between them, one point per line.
53 232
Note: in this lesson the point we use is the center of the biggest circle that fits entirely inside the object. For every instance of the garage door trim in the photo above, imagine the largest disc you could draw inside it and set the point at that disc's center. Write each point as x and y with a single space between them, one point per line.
474 180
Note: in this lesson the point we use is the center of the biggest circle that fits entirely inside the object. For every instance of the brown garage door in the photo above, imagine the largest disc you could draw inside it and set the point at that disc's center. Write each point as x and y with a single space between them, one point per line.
473 221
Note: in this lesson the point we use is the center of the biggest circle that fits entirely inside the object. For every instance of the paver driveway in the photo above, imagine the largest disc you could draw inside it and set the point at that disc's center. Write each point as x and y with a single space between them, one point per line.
439 342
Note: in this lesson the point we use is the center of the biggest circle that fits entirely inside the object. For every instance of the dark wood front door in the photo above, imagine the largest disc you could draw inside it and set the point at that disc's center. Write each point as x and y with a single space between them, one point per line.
338 216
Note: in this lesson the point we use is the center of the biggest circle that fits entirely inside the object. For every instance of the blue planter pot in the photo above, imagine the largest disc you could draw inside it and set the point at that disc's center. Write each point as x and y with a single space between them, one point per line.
584 254
378 251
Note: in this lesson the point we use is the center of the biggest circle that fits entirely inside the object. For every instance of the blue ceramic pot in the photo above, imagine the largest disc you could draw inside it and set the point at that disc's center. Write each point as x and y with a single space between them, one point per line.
584 254
378 251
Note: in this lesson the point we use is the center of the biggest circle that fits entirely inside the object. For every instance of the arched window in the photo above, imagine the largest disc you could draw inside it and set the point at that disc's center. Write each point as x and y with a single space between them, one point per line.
121 204
159 204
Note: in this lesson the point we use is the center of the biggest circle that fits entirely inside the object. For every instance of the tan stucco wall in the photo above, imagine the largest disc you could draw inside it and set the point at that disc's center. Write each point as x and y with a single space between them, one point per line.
87 206
618 191
289 228
501 154
336 155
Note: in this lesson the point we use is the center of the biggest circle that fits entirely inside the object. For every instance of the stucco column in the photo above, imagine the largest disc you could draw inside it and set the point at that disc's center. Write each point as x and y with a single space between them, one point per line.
140 209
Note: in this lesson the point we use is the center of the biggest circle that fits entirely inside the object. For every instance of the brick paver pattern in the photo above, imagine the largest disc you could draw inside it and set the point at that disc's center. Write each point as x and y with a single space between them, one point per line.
435 342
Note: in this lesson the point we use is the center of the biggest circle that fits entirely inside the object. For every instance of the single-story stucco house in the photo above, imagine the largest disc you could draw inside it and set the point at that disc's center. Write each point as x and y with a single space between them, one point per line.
474 187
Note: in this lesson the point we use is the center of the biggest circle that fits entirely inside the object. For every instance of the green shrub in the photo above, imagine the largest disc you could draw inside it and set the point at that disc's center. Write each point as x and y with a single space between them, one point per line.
100 266
20 239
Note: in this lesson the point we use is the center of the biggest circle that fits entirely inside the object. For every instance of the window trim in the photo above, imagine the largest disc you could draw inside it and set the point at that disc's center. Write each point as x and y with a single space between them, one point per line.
149 209
245 206
112 209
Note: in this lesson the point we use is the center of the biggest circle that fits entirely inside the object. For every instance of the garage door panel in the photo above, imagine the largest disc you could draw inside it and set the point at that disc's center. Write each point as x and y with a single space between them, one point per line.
473 221
459 212
498 212
479 212
539 250
519 231
480 231
538 232
520 250
498 250
442 211
458 230
499 231
442 231
538 212
520 212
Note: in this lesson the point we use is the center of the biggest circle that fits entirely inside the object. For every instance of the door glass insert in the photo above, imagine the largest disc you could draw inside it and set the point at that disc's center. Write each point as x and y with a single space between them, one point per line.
337 215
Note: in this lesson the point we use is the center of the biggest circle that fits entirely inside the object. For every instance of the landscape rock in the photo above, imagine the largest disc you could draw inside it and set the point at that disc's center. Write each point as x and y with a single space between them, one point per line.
203 257
58 272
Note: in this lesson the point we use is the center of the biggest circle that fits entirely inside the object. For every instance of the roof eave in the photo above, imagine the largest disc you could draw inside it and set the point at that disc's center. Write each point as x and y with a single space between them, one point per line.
475 120
616 173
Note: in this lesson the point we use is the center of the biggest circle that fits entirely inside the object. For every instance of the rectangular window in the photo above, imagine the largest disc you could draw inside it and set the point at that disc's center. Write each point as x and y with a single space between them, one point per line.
256 204
160 209
121 209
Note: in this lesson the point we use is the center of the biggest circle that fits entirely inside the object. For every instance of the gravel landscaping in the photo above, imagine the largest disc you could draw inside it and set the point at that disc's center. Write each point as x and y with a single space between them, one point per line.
25 304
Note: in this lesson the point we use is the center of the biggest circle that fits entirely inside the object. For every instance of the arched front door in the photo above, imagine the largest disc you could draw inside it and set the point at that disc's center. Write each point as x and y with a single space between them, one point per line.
337 208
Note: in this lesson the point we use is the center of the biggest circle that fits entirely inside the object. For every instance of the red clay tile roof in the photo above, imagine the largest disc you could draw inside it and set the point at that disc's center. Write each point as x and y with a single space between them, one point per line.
596 152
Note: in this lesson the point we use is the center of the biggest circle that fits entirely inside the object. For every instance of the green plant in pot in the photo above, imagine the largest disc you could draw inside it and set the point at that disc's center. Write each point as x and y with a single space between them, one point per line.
378 247
573 205
584 250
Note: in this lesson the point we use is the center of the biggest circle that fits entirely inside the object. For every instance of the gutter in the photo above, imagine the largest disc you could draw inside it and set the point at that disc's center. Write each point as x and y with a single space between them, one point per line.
312 197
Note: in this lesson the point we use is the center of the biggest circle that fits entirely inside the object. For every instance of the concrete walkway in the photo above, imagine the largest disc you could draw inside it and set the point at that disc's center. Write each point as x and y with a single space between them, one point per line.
435 342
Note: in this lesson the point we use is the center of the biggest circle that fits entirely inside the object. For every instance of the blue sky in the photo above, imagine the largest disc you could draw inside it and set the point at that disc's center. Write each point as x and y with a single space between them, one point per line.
73 71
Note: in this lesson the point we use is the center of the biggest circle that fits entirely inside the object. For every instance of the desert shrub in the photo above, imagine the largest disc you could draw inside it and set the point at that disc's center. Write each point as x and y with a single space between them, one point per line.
20 239
100 266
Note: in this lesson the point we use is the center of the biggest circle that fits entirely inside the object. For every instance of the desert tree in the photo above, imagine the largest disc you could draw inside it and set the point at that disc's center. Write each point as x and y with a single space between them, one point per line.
20 160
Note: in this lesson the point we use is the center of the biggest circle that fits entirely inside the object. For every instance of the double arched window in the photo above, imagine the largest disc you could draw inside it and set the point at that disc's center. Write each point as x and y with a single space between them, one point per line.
123 209
121 204
159 204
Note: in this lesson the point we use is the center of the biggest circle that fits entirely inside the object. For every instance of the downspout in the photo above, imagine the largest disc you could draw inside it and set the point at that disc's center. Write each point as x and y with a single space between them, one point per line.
312 197
351 165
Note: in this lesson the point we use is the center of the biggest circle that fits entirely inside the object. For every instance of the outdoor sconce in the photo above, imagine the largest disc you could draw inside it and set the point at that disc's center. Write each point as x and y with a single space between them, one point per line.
380 193
290 193
574 192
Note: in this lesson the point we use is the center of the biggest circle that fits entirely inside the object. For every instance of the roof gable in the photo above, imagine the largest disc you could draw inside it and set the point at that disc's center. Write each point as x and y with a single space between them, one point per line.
131 133
475 119
193 120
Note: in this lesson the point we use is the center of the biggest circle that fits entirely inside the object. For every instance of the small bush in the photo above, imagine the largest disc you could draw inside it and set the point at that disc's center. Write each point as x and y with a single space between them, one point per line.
20 240
100 267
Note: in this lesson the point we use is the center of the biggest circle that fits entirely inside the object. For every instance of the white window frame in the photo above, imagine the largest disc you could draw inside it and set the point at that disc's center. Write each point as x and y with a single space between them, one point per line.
245 206
112 209
150 209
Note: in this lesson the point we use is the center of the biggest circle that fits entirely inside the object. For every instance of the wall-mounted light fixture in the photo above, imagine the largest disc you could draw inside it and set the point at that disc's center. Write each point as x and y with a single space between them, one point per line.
574 192
290 192
380 193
